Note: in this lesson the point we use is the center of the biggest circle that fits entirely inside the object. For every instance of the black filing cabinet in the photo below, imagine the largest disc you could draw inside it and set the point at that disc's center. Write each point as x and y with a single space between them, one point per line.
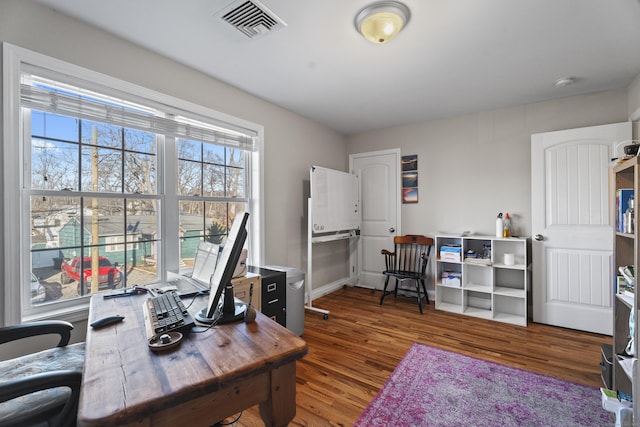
274 293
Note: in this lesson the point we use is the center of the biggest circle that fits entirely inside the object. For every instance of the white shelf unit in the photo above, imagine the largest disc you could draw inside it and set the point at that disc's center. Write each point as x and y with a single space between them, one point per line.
488 288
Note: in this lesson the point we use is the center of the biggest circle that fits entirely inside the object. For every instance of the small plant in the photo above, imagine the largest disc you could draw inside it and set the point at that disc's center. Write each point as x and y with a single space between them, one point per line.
215 232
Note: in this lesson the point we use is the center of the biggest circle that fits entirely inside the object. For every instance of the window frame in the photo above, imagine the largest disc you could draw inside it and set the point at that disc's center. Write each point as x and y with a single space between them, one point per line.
16 228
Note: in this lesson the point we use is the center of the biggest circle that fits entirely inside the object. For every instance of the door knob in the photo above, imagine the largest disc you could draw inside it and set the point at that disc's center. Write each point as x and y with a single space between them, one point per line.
392 230
539 237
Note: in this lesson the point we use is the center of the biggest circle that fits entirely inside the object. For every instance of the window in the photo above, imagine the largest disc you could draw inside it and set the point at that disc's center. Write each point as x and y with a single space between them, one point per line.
118 184
117 244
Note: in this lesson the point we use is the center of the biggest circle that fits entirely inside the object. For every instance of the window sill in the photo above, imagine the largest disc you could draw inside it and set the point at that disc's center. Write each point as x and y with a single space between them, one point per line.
75 314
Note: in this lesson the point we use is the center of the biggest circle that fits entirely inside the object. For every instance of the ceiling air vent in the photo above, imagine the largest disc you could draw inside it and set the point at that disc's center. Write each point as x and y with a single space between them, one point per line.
251 18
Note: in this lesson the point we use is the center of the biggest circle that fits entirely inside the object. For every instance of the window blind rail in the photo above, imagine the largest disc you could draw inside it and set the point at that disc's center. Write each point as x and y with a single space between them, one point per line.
73 105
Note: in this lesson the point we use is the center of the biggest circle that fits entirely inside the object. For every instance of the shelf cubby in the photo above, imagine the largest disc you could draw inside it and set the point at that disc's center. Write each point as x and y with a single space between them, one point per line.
449 299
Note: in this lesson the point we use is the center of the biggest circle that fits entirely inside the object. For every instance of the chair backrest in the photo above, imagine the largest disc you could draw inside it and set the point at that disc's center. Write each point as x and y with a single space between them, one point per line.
412 253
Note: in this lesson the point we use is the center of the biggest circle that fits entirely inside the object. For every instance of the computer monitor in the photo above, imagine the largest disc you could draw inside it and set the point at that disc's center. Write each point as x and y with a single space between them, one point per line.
227 310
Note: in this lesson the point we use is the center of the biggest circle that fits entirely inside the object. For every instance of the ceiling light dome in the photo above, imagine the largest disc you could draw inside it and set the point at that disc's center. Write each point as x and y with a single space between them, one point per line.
564 81
382 21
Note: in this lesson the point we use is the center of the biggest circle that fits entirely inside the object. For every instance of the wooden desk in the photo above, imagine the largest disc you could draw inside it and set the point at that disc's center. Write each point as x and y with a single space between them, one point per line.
208 377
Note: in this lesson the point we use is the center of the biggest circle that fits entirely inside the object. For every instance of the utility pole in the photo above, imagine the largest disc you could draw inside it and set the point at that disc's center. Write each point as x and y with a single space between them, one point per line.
95 238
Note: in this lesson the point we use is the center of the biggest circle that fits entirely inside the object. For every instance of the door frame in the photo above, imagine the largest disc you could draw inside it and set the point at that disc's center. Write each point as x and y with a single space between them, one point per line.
354 265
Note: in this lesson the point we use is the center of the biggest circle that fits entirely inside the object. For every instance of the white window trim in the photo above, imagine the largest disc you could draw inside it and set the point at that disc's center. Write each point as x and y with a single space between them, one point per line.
16 229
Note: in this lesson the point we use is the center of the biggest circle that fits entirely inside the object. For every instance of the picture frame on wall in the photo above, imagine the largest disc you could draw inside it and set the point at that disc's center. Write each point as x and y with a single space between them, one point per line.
410 178
410 163
409 195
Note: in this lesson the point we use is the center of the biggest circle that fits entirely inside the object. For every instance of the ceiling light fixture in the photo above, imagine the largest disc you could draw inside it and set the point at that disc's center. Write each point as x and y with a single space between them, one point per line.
565 81
382 21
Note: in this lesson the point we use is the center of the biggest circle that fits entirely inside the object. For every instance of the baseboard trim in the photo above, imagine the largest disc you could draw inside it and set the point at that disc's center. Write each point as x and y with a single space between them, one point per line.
347 281
330 287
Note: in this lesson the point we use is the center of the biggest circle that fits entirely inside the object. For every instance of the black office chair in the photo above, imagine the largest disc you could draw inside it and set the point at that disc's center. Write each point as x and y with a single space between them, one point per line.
41 388
408 261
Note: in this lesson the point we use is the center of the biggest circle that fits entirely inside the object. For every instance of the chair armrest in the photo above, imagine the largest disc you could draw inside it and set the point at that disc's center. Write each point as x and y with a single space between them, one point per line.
23 386
25 330
36 382
389 259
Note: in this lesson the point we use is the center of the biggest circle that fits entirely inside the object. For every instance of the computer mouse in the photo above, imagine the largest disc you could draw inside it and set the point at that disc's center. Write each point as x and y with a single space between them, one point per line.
106 321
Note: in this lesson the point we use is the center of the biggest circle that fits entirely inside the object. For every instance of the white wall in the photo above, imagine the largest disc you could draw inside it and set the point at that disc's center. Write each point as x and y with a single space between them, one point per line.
474 166
633 95
292 143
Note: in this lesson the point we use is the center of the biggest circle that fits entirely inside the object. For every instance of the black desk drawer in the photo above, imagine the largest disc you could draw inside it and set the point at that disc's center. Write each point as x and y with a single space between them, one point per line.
274 287
276 313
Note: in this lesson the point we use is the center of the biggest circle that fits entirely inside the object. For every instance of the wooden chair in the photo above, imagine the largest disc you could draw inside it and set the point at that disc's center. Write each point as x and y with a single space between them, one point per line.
408 261
41 388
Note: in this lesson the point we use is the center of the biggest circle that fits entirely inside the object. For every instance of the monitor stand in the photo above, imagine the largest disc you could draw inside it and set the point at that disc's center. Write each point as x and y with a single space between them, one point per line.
228 312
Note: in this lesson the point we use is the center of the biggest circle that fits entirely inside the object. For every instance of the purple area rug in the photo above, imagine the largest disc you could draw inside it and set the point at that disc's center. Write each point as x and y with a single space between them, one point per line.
433 387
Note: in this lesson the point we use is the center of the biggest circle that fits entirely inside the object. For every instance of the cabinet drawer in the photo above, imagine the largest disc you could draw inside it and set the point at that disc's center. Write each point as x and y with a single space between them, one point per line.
272 305
273 288
279 315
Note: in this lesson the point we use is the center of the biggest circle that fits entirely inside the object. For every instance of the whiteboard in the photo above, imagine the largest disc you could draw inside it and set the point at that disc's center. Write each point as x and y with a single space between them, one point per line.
334 200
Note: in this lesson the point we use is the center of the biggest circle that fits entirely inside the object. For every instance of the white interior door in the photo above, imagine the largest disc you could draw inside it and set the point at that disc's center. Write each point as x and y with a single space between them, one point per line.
572 246
379 178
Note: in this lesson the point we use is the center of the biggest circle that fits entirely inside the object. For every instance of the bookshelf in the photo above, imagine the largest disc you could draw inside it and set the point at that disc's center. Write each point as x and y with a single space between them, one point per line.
626 250
486 287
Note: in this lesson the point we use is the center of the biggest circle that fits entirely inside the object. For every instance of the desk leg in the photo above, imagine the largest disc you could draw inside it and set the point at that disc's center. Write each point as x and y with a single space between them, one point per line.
280 409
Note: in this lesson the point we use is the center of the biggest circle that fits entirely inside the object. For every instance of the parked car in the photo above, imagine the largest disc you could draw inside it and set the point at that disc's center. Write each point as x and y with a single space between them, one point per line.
38 291
108 274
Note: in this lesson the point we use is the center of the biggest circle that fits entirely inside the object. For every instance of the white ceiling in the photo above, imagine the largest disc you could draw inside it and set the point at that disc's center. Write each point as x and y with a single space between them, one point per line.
454 57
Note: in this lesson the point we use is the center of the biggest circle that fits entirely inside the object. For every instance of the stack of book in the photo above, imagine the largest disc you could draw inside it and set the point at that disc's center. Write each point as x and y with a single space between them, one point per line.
472 257
622 204
478 261
451 253
451 278
626 281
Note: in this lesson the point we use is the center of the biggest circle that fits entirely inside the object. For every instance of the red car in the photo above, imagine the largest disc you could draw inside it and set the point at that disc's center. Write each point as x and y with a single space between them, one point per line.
109 275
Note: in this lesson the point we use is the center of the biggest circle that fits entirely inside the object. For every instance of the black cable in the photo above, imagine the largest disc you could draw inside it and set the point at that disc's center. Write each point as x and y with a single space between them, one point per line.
228 423
196 296
206 328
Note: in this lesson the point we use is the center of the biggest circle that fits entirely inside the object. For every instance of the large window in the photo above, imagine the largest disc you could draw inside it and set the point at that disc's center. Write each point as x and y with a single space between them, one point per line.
211 189
117 184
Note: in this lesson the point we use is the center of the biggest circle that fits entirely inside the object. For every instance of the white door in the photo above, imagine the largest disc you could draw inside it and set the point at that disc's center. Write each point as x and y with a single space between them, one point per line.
379 177
572 226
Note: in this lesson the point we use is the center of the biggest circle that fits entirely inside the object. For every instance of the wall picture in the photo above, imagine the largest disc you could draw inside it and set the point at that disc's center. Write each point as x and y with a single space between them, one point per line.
410 179
410 163
409 195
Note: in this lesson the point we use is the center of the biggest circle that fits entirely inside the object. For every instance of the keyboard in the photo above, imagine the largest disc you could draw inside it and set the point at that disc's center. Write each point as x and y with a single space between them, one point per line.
166 313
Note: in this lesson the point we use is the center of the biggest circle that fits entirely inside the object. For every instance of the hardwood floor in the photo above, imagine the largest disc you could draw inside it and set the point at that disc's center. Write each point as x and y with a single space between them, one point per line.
353 352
